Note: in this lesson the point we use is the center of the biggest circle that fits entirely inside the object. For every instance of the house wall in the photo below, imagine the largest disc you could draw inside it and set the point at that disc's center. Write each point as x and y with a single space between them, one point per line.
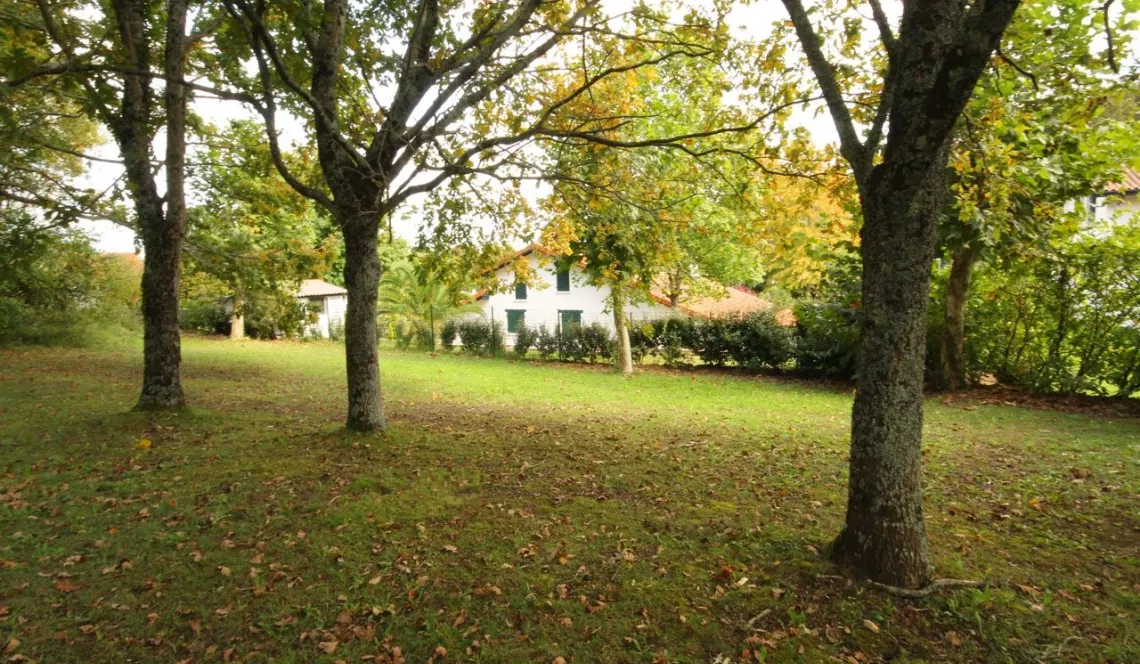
542 305
1116 208
332 312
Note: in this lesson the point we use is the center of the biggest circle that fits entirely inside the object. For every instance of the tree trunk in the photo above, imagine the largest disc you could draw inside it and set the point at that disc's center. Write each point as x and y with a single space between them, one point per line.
884 536
237 318
623 360
952 357
161 231
362 279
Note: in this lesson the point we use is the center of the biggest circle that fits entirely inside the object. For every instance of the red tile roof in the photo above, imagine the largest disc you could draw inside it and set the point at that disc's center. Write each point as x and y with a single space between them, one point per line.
1129 182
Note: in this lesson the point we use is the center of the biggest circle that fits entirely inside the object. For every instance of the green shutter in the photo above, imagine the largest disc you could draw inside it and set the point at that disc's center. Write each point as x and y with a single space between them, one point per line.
570 318
520 291
515 317
564 281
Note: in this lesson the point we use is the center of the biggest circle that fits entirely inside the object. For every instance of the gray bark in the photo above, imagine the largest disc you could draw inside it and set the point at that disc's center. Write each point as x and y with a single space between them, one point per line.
623 359
362 279
952 355
885 534
237 318
934 63
161 230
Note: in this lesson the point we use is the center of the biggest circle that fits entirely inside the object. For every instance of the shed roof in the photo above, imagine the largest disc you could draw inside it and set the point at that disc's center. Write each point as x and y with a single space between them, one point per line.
318 288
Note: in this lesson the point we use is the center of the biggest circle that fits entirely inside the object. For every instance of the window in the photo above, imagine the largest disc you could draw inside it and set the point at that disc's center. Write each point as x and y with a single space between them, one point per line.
520 291
570 319
564 281
515 317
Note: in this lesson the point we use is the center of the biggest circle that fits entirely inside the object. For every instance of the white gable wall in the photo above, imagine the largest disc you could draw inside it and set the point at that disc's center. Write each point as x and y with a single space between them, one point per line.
332 311
542 305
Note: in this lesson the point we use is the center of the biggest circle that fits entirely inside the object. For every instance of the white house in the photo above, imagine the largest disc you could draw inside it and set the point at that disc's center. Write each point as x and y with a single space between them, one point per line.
328 300
567 299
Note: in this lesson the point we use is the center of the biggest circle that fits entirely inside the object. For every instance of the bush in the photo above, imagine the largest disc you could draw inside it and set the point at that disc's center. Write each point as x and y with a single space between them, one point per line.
759 341
412 335
586 343
525 339
828 343
714 340
480 337
207 316
547 343
448 333
56 289
336 330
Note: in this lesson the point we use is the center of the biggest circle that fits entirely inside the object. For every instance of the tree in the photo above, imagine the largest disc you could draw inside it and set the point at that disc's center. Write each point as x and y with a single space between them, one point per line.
1034 139
420 300
668 218
465 87
931 68
252 231
108 61
44 134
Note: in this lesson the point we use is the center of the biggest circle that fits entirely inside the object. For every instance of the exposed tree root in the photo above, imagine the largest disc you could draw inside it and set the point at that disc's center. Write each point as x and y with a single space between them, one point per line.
931 588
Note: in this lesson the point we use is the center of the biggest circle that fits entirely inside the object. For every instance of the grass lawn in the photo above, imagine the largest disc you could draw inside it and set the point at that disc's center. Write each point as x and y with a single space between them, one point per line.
524 512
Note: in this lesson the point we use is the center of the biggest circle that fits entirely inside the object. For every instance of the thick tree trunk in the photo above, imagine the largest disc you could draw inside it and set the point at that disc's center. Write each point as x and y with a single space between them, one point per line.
237 318
623 359
362 279
885 534
952 357
161 231
162 345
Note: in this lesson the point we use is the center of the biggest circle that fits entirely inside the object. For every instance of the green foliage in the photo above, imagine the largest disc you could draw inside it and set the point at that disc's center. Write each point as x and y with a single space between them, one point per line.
252 235
204 315
55 289
448 333
481 337
547 342
417 301
1065 321
267 316
828 342
525 339
585 343
753 341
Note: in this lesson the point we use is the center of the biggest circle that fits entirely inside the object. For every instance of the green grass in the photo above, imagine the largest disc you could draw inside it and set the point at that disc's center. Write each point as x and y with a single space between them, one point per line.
520 512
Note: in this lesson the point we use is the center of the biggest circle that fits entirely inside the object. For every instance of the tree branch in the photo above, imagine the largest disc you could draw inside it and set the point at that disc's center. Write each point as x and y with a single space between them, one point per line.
849 144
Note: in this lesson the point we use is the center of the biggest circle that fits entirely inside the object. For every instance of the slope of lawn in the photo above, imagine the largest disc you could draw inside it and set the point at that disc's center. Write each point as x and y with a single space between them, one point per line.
524 512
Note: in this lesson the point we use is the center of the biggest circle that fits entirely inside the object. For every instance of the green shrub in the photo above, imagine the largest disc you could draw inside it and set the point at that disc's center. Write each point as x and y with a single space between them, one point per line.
480 337
448 333
547 342
760 341
336 330
206 315
525 339
412 335
828 343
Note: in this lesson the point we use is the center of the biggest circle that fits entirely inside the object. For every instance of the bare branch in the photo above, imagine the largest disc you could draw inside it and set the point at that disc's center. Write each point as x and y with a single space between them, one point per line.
1017 68
1111 54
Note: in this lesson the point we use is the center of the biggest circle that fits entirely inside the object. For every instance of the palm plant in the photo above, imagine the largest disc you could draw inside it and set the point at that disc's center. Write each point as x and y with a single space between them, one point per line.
416 302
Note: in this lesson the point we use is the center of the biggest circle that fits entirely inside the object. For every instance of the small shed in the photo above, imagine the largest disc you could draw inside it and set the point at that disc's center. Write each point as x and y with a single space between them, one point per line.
329 301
